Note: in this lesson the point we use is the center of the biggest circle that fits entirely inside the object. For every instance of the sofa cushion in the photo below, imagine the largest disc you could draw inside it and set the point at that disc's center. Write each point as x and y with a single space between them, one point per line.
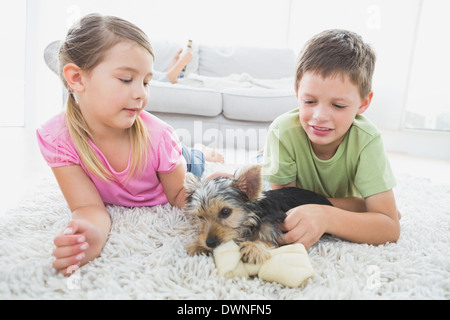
255 104
176 98
260 63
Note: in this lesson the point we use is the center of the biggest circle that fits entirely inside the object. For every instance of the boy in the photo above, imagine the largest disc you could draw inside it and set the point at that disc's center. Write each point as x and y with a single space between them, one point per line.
327 146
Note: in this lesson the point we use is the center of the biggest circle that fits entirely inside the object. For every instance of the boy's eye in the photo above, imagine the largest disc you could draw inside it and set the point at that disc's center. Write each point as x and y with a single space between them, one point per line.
308 101
339 106
125 80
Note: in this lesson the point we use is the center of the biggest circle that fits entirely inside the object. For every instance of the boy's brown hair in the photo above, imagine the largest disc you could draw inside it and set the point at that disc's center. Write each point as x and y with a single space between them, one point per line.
338 52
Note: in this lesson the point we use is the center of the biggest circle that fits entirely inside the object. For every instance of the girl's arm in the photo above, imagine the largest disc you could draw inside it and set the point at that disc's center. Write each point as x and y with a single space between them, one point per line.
86 234
173 184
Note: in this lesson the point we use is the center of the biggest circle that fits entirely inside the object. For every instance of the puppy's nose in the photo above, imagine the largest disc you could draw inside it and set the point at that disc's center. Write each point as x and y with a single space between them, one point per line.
212 242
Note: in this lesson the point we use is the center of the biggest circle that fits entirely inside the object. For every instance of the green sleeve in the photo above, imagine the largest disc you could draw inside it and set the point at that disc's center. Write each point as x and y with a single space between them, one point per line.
278 165
374 174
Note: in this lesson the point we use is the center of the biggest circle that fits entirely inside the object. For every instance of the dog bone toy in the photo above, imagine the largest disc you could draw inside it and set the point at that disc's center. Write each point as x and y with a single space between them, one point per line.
288 265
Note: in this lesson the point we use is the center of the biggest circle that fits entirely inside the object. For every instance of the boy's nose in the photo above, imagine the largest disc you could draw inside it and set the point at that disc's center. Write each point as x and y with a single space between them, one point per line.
320 113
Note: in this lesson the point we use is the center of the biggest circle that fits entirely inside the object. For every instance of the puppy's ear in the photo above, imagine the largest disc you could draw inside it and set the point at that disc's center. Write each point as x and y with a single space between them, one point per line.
248 179
191 183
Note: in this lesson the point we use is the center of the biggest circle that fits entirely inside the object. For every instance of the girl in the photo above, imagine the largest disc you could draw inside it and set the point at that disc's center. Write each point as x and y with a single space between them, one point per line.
104 149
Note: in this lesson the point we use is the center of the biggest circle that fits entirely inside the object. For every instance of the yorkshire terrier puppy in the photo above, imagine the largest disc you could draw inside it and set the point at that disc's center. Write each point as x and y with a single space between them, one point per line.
236 209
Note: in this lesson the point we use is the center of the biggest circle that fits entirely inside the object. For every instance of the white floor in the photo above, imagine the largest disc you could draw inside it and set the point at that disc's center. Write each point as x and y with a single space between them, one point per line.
22 166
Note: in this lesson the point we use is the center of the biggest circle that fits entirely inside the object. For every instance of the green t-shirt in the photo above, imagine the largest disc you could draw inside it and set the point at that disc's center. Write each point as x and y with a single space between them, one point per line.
359 167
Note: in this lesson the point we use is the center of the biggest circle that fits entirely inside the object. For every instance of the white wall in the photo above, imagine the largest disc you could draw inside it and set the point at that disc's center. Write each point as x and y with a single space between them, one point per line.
387 25
12 83
390 26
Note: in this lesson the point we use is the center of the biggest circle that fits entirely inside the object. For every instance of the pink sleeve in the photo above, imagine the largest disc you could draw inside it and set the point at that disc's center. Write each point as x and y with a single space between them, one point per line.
169 151
57 151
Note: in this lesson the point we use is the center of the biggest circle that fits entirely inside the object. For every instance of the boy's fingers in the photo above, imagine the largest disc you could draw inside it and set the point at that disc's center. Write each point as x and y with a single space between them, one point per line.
296 235
291 221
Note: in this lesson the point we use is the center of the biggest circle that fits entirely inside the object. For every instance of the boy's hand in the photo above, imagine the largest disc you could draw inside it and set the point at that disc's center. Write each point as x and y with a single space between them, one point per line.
76 244
304 224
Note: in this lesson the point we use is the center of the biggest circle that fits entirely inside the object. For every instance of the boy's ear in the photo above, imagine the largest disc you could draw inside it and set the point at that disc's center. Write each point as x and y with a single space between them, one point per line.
73 75
248 179
365 103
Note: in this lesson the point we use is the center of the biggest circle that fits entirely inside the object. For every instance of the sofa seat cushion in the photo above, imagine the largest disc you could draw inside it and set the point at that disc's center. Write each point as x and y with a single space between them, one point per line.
177 98
257 104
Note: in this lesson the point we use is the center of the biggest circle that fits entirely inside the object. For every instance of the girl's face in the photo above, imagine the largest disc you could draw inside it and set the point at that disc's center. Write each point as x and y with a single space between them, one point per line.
116 90
328 107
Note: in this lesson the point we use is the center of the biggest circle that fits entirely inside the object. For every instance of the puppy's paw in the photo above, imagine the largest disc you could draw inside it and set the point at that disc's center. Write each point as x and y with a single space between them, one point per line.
254 252
196 248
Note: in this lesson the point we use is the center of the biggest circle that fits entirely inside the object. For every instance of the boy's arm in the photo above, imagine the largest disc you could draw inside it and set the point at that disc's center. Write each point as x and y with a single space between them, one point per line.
355 204
378 225
374 220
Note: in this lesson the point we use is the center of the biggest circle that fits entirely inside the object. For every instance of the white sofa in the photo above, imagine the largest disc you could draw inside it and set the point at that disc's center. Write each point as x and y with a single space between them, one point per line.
218 114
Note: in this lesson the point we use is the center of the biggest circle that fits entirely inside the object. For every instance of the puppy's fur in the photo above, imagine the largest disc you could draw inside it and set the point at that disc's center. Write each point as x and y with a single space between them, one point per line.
236 209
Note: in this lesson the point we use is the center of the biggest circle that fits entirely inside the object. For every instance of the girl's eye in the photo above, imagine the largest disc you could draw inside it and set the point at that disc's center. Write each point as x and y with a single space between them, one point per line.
125 80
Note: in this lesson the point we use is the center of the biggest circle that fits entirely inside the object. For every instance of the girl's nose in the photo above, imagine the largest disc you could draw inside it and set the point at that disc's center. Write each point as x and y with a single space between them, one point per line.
140 92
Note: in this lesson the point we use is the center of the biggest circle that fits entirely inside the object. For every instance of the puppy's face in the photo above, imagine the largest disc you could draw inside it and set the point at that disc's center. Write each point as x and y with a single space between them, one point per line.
220 207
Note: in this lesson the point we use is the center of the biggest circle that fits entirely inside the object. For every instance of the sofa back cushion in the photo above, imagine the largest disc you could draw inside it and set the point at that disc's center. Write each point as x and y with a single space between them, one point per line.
261 63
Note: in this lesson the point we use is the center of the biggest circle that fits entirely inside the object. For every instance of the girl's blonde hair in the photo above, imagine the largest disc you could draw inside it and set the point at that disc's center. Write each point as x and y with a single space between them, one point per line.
86 45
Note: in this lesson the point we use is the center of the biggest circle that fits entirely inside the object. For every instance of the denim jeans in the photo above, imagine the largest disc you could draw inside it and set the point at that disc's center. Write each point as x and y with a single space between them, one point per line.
195 160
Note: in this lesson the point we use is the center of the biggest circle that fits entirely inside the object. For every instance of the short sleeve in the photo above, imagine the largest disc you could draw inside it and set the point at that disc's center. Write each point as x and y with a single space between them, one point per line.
374 174
169 151
56 149
278 165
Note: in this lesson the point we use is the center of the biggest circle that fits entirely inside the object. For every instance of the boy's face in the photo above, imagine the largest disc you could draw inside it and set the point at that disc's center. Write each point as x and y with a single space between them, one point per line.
328 107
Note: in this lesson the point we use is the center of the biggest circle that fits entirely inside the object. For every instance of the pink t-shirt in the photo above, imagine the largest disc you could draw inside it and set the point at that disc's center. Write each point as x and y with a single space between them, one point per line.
59 150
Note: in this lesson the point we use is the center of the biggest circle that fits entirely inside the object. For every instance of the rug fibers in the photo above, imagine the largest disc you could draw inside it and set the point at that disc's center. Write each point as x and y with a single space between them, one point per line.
145 258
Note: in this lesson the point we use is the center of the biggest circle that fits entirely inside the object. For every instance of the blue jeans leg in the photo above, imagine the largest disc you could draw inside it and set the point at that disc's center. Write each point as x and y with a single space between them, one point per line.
195 160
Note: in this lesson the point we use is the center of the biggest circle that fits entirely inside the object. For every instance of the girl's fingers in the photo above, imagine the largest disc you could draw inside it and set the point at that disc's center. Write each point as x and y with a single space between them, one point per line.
63 263
68 240
67 251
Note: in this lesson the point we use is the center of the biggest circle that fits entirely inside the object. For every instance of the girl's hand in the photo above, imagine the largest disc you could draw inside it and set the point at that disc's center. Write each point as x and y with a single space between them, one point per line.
76 244
304 224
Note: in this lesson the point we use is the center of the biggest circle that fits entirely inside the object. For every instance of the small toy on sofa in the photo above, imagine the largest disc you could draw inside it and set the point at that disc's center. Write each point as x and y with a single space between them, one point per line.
288 265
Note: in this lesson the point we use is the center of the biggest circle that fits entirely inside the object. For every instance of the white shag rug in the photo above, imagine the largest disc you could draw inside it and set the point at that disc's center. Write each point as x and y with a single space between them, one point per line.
145 258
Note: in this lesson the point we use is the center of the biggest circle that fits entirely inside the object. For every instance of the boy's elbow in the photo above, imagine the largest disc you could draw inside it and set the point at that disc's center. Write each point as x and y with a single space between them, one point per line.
395 233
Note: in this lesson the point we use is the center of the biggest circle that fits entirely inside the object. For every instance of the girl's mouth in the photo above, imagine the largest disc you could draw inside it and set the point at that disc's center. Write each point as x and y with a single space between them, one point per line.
131 111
